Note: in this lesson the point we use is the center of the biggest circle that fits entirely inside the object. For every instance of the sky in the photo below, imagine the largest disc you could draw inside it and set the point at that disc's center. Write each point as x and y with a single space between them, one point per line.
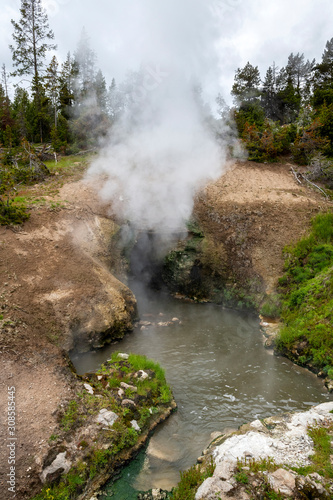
258 31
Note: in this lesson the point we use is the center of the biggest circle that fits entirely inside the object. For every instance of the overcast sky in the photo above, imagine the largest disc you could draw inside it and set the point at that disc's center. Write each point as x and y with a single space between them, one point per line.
259 31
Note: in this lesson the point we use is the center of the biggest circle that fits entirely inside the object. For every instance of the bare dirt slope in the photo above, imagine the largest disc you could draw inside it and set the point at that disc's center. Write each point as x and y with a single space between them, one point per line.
255 210
56 293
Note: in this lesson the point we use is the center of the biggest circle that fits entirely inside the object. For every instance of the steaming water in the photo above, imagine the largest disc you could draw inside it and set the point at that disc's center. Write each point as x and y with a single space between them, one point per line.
221 376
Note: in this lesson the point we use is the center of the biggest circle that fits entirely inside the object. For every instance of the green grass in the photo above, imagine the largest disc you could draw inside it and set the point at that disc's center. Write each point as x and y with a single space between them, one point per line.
306 292
190 481
66 165
70 417
323 450
321 459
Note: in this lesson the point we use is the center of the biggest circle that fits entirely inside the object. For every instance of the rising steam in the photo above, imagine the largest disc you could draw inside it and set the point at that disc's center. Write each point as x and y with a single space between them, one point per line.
163 147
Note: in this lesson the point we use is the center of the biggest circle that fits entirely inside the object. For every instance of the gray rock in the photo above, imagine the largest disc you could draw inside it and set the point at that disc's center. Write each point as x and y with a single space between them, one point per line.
128 403
106 417
60 465
224 470
142 375
212 488
135 425
121 393
89 388
123 355
127 386
282 481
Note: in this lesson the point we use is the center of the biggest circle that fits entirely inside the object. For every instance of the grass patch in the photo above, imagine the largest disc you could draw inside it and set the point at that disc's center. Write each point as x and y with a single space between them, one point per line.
271 307
321 459
322 441
190 481
307 298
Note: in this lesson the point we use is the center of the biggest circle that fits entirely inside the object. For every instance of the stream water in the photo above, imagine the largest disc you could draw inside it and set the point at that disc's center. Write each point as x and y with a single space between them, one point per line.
221 376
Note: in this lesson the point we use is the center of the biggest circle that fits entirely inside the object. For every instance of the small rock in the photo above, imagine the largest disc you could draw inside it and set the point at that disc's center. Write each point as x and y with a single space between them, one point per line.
282 481
257 425
211 488
88 388
99 377
121 393
141 375
59 466
127 386
106 417
175 320
123 355
128 403
135 425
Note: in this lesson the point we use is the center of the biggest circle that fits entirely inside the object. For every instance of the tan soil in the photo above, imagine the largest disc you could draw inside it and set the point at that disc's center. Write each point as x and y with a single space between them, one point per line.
254 210
55 279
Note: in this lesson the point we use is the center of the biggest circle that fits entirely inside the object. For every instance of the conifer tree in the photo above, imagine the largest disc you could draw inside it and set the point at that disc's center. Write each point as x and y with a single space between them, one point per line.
32 37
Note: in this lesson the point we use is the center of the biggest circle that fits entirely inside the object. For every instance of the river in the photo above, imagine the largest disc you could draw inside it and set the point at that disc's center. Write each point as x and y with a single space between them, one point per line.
221 376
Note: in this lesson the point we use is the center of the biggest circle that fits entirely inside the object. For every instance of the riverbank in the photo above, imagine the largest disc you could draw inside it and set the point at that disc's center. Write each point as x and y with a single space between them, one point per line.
281 457
58 290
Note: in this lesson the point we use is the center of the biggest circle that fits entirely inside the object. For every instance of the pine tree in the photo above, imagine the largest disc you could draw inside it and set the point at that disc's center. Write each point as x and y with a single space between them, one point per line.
84 68
246 84
100 90
323 78
115 101
22 113
52 87
67 87
31 36
269 96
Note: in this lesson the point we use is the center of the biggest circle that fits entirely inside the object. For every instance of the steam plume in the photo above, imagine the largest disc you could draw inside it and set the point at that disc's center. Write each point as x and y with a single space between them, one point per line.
162 148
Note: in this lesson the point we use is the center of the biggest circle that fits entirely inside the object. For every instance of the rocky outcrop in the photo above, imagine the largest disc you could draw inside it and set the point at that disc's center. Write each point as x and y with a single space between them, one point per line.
282 446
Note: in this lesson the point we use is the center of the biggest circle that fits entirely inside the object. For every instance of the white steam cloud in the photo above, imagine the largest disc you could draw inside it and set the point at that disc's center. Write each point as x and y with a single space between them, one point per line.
163 147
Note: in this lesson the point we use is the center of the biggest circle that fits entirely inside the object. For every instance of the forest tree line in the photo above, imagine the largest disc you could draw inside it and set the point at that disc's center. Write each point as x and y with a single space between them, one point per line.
71 106
290 111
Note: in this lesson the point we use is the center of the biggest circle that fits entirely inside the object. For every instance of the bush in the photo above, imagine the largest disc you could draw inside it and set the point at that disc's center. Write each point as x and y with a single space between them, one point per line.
10 213
307 142
267 143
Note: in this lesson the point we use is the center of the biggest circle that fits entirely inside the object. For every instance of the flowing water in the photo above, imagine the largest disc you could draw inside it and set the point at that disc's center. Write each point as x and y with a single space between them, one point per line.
221 376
